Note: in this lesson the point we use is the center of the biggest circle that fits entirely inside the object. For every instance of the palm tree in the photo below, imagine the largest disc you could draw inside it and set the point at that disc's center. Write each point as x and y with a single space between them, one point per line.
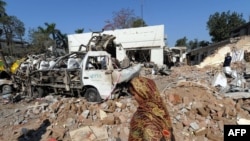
57 37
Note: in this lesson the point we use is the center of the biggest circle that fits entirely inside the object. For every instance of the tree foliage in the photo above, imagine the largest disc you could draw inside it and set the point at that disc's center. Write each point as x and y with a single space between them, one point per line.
191 44
2 7
221 24
125 18
138 22
13 28
181 42
79 30
40 37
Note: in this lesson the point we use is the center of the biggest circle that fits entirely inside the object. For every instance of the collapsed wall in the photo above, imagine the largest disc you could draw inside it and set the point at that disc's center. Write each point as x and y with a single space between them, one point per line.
239 50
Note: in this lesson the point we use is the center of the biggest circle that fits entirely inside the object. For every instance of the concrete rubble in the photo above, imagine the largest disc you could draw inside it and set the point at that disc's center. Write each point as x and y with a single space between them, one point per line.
199 109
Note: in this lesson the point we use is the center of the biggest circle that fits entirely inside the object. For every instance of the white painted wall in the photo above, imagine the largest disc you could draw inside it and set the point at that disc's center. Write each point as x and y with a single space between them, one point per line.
157 56
150 37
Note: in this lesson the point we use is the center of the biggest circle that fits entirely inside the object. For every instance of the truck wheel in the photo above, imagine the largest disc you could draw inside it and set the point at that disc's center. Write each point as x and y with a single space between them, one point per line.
6 89
92 95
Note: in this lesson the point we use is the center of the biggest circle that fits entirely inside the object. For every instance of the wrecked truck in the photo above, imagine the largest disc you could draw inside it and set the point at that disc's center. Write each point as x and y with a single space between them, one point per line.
91 74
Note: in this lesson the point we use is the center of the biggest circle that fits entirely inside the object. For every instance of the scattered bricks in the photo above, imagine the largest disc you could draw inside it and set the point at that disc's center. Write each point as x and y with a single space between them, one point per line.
214 137
179 125
221 125
215 117
202 112
118 104
102 114
85 114
186 122
186 100
220 114
201 131
122 118
227 109
124 133
213 107
58 133
229 102
232 112
87 122
194 125
117 120
96 123
109 120
79 109
67 106
200 118
123 106
196 105
238 107
73 108
229 121
203 124
175 99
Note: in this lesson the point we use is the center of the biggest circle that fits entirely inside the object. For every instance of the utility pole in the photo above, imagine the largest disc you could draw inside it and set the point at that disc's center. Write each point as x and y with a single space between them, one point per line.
142 9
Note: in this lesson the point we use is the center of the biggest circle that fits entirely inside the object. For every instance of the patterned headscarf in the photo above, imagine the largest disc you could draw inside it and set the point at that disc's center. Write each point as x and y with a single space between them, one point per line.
151 104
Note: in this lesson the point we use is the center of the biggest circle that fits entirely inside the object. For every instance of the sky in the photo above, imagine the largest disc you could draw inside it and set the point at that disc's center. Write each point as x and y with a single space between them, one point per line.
181 18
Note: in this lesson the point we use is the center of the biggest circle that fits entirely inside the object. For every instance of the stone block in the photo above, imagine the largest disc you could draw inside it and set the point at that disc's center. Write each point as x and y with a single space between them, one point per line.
109 120
201 131
196 105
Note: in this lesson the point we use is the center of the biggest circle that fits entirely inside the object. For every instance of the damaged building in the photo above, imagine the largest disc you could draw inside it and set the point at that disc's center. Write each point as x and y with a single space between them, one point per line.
143 44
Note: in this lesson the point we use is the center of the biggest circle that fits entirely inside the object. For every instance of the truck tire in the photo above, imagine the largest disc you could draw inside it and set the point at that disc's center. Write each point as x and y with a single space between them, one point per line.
6 89
92 95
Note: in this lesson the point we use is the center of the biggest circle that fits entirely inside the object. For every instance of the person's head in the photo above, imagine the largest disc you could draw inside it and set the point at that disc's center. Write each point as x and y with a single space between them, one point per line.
143 89
228 54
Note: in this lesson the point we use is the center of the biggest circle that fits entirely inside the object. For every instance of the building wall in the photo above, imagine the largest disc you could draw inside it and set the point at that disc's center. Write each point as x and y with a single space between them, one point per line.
157 56
148 38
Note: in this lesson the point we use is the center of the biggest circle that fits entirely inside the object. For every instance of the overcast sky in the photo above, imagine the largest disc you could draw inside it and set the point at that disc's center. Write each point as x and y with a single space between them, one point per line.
180 17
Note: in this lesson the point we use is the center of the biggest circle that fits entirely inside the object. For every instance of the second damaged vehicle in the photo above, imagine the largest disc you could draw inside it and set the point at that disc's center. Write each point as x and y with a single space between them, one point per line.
91 74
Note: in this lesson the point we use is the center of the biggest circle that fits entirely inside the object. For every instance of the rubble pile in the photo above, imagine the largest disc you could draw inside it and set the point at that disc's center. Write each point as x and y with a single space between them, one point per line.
200 112
58 118
197 109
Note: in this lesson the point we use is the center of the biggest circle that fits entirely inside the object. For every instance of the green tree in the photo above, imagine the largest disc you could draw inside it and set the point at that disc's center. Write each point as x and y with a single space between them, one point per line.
3 14
2 6
181 42
79 30
221 24
138 22
49 36
40 37
192 44
13 29
204 43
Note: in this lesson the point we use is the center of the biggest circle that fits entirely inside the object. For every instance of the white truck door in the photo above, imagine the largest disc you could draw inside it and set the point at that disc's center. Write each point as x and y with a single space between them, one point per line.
95 73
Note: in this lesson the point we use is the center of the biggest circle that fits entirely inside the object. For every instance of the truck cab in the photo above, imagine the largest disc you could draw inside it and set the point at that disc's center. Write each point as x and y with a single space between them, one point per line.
91 74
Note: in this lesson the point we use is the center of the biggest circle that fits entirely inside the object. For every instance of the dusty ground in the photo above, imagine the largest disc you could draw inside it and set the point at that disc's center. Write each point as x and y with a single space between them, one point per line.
198 112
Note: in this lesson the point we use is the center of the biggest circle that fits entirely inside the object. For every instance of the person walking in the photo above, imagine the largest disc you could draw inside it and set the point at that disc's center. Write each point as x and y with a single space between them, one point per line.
151 121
